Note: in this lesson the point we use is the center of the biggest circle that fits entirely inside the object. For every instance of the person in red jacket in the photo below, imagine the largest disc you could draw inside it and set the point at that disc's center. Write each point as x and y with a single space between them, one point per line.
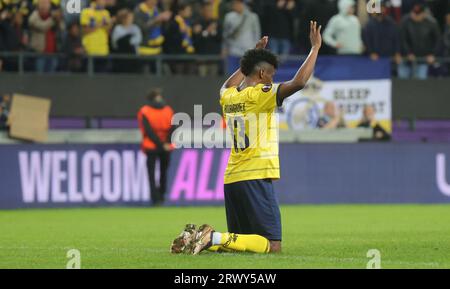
155 124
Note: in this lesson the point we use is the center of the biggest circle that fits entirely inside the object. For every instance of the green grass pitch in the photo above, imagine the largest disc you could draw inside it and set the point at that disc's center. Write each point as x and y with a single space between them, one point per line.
408 236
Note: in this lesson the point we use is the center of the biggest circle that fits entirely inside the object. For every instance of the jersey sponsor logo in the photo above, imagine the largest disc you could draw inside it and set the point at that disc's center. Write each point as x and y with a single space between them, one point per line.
267 88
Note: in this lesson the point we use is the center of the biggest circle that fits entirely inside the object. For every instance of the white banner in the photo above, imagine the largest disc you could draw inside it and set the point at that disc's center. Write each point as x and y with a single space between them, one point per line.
304 109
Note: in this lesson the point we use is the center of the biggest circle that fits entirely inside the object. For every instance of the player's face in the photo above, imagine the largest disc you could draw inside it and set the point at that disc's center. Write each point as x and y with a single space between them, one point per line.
101 3
369 112
266 74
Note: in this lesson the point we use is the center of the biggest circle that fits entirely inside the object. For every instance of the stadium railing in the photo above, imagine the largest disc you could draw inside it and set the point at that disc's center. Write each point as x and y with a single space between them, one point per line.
22 62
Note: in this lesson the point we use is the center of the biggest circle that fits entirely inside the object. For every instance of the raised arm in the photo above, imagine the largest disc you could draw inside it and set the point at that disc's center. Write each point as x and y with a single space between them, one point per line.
302 76
237 77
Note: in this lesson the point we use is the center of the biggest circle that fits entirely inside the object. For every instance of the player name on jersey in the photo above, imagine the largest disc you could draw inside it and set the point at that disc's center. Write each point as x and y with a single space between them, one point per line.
234 108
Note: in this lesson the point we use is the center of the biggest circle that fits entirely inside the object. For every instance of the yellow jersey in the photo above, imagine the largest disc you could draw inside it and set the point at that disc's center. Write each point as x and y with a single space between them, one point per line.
251 119
96 42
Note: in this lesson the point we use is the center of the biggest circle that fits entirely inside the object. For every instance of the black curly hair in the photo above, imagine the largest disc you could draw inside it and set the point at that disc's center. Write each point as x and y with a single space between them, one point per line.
253 57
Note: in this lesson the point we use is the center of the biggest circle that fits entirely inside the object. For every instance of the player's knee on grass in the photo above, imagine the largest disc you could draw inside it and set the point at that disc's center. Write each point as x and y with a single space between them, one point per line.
275 247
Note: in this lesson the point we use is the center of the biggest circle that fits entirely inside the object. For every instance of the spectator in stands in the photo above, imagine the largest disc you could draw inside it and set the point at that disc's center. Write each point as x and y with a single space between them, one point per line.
178 34
394 9
74 48
419 38
149 19
443 69
241 30
10 7
126 36
156 128
96 24
46 27
20 36
321 11
4 29
332 117
178 38
5 103
279 20
446 37
207 38
381 36
439 9
13 37
343 31
3 119
368 121
12 33
125 39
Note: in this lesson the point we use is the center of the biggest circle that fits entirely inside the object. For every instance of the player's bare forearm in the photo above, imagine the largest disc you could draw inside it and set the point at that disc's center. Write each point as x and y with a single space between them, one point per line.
301 77
306 70
237 77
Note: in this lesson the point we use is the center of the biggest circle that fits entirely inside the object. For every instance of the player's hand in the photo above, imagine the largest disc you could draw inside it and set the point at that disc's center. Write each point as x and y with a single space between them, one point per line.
167 147
262 43
164 16
314 35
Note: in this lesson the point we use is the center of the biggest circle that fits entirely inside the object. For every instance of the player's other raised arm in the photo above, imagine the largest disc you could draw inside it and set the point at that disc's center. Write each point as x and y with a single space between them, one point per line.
304 73
237 77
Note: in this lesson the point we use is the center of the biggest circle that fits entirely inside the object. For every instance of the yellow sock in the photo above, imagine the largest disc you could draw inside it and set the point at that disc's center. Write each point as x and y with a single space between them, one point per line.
214 248
219 248
245 243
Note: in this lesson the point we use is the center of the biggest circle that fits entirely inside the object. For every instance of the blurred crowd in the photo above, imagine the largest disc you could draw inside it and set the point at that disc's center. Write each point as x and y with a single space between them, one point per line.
332 117
5 105
411 32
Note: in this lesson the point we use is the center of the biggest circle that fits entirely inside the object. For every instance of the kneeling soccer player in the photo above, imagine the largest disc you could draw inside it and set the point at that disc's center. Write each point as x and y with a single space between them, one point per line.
249 99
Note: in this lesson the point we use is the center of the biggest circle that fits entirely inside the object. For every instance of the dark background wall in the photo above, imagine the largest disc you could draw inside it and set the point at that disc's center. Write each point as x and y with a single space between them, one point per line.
114 95
421 99
122 95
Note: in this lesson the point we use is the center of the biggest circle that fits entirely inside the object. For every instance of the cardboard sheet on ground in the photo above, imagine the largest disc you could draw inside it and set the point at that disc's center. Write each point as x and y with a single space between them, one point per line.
29 117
